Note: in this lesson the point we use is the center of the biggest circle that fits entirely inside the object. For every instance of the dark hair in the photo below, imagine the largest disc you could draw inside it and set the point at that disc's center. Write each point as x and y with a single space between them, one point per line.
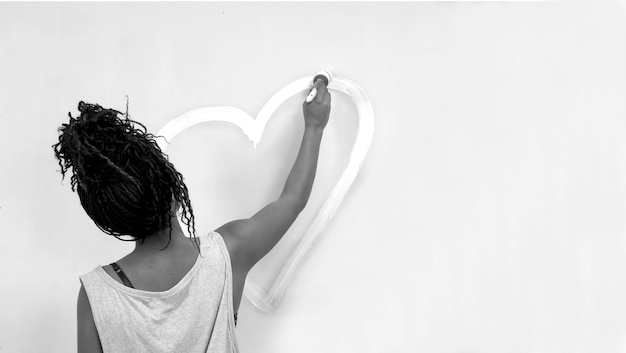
125 183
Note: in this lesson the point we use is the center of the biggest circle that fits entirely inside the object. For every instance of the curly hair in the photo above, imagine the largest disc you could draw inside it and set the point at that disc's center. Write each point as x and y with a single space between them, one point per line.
125 183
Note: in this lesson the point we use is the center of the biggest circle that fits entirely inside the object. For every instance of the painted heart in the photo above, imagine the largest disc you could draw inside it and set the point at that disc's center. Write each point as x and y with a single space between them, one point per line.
253 128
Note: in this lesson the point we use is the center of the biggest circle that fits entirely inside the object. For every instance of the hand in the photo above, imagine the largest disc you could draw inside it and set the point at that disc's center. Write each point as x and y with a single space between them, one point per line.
317 112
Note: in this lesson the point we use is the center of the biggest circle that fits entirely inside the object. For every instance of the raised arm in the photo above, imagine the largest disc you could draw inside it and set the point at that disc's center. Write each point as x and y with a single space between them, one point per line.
248 240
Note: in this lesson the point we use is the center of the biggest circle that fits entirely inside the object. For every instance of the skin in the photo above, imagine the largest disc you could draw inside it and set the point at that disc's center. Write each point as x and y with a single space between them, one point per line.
248 240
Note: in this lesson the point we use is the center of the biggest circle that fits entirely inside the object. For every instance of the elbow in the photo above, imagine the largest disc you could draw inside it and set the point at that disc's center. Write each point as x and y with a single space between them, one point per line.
297 203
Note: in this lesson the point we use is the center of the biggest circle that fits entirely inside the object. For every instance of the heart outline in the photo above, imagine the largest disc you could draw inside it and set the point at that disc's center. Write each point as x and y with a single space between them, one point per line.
253 128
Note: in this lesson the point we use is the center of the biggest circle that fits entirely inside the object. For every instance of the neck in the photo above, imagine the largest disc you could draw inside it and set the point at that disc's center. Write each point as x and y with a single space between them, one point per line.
160 239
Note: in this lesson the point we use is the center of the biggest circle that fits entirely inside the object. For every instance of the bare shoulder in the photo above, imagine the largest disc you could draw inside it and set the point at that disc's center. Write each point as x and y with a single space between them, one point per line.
233 234
83 306
88 339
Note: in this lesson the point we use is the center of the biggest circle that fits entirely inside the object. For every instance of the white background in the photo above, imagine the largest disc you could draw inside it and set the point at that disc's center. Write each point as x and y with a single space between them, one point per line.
489 214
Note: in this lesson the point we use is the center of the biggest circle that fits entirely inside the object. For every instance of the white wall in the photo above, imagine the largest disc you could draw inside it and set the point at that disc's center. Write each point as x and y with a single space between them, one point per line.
488 217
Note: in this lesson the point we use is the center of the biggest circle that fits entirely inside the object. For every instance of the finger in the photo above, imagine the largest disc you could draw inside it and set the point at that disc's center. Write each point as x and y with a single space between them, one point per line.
322 90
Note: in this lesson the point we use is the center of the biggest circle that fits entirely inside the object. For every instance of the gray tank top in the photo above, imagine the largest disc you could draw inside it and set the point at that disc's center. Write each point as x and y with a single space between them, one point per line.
194 316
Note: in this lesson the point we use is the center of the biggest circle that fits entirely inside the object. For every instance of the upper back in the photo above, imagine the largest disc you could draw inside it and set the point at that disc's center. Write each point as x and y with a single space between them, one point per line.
160 271
193 315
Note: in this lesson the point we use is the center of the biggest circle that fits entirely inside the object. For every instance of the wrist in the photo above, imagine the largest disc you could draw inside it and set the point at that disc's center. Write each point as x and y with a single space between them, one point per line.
313 129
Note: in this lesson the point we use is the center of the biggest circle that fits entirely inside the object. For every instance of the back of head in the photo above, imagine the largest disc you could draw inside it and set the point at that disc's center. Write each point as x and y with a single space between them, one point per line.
125 182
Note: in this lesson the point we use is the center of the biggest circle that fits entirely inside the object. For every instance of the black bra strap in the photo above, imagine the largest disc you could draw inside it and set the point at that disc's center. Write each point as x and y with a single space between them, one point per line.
122 275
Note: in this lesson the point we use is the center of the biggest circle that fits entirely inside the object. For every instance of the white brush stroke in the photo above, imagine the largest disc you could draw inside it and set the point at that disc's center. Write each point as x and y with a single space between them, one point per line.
253 128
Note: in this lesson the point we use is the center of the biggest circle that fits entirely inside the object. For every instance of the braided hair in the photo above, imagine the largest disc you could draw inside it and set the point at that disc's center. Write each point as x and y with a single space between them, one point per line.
125 183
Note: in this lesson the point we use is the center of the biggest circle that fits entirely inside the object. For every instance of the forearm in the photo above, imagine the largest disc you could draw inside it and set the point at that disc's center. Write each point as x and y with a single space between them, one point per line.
300 180
248 240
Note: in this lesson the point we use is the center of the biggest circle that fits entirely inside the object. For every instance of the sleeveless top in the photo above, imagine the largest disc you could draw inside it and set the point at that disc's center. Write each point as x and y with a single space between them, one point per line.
194 316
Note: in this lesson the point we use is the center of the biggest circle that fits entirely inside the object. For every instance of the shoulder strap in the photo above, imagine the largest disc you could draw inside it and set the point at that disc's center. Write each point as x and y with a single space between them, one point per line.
122 275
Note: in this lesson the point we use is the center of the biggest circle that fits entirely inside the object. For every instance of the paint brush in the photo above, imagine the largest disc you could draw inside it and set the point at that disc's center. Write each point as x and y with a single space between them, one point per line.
326 76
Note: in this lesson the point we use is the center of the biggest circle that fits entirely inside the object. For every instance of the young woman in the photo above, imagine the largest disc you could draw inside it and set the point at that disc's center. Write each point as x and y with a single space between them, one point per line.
171 293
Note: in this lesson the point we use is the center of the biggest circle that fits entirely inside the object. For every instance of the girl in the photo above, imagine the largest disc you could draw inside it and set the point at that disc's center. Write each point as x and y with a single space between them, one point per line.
171 293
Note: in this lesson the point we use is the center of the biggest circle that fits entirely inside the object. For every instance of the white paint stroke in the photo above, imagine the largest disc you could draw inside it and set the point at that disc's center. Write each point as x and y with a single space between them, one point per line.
253 128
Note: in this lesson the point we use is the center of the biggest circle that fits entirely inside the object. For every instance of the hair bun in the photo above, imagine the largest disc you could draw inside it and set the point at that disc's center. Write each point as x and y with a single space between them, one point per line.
92 144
